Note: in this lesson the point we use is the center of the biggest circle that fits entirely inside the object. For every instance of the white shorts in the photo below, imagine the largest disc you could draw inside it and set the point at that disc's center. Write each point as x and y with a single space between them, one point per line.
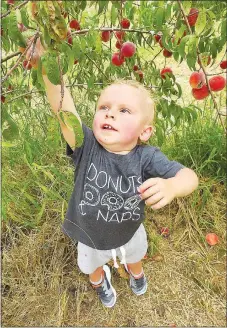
89 259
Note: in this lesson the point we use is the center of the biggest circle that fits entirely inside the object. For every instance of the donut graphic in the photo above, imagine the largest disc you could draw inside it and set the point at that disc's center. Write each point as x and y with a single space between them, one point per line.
132 202
91 195
112 201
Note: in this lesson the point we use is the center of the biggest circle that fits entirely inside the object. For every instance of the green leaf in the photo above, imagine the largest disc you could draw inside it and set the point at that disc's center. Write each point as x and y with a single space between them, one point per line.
46 36
102 5
186 5
168 11
52 70
114 14
39 72
12 131
191 61
201 22
159 15
74 125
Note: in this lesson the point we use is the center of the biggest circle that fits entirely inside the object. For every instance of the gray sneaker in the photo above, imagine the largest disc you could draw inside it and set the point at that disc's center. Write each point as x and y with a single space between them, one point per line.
106 292
138 286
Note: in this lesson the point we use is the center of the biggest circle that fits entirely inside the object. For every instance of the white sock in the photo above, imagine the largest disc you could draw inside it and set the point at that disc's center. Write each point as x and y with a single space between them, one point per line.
97 282
136 276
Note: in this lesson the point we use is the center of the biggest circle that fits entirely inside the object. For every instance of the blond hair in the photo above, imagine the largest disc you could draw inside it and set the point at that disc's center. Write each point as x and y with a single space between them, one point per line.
147 93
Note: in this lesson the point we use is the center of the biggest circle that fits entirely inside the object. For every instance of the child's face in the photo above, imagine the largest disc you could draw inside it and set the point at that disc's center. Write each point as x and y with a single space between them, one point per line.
121 118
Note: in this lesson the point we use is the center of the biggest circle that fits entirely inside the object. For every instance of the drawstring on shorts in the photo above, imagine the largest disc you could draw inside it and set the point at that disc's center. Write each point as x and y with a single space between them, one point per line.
114 255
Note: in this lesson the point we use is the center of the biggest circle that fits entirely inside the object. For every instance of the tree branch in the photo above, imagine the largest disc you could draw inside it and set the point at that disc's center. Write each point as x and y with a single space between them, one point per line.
10 56
18 7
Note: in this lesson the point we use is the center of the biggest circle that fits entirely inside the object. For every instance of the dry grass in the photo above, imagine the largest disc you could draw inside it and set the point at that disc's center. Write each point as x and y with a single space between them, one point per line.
42 285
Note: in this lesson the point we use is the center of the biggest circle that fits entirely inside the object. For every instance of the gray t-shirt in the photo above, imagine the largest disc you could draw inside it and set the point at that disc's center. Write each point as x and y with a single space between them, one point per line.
105 209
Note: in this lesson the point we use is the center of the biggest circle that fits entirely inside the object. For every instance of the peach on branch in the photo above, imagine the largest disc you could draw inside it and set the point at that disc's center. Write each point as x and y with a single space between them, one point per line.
3 99
197 80
118 45
140 74
128 49
157 37
125 23
74 24
201 93
105 36
223 64
75 61
117 59
10 2
27 65
192 16
166 70
120 35
135 68
167 53
217 83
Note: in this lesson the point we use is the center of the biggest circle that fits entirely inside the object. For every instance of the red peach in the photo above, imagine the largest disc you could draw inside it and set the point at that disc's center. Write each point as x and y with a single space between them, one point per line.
217 83
166 70
27 65
128 49
10 2
75 61
120 35
125 23
160 43
118 45
223 64
117 59
167 53
140 73
212 239
192 16
74 24
201 93
197 80
3 99
157 37
105 36
135 68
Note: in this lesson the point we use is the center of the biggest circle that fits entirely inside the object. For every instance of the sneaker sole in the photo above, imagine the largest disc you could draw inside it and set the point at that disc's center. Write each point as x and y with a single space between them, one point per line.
108 276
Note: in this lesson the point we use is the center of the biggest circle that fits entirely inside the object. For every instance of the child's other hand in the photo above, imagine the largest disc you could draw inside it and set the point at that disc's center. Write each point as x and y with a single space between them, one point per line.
158 192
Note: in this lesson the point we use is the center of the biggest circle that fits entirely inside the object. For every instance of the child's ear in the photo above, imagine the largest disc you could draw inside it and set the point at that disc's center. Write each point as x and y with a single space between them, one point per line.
146 133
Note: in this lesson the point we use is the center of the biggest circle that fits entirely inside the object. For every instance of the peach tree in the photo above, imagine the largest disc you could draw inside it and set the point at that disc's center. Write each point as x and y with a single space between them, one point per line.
92 43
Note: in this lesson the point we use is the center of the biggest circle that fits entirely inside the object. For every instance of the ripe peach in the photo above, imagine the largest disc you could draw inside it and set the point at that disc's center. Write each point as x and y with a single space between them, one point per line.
27 65
118 45
212 239
128 49
74 24
223 64
120 35
140 73
197 80
117 59
201 93
135 68
10 2
125 23
166 70
69 37
157 37
217 83
160 43
192 16
3 99
167 53
105 36
75 61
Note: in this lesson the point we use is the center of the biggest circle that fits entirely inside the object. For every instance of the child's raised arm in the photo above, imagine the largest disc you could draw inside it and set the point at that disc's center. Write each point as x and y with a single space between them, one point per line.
54 97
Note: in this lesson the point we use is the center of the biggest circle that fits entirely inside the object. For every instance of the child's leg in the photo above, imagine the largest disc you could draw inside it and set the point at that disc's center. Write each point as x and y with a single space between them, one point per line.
97 275
136 268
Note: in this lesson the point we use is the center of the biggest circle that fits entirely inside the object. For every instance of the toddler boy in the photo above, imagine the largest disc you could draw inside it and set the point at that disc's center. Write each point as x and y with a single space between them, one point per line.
114 178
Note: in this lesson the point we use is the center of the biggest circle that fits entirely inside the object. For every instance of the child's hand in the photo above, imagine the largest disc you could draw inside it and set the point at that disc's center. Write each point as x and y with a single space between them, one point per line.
158 192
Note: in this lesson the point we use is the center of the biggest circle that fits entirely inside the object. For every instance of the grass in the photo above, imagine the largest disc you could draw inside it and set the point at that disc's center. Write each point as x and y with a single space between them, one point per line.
41 283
